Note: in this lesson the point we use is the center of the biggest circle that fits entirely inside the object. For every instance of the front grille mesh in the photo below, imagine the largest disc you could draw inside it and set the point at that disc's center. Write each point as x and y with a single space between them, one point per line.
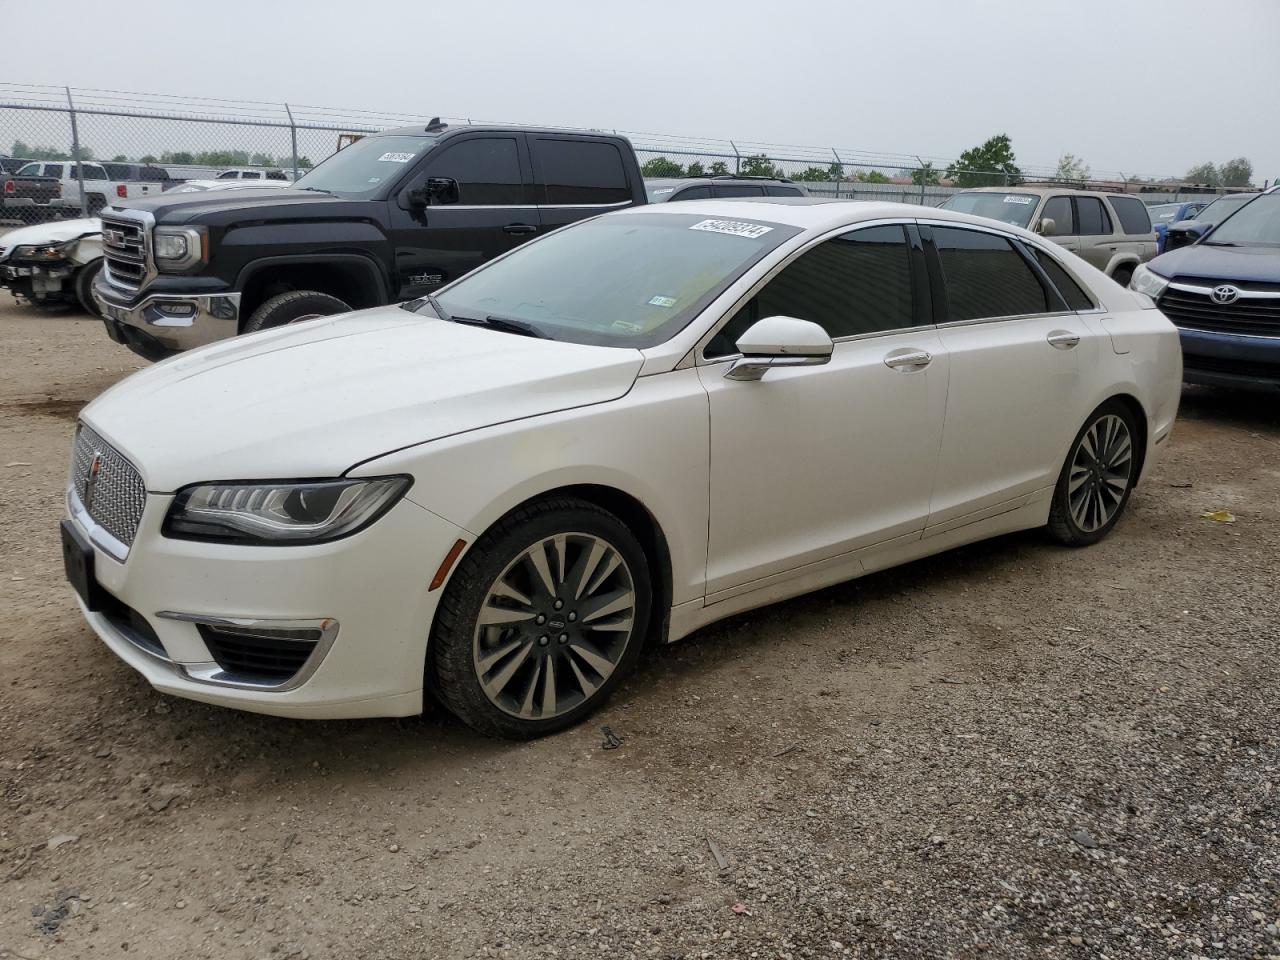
1247 315
115 503
124 247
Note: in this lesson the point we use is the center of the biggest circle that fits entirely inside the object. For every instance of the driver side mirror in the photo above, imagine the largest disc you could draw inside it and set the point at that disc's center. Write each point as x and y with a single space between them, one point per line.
1046 227
434 192
779 342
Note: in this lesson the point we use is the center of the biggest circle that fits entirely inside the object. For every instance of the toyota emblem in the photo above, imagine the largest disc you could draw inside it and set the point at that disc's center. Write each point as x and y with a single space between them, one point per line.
1225 293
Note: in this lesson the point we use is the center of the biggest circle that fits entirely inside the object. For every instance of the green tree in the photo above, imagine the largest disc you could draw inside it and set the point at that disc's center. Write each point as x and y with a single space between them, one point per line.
1204 173
759 166
1071 169
304 163
119 158
695 169
1236 173
181 158
148 158
718 169
871 176
812 175
24 151
988 164
927 175
661 167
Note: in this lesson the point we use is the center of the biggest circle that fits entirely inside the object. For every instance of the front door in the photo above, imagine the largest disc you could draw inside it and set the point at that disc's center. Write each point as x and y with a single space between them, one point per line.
810 463
1058 209
493 212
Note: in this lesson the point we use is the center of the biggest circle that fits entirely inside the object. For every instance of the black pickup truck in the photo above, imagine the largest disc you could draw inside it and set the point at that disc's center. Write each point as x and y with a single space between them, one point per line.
391 217
29 199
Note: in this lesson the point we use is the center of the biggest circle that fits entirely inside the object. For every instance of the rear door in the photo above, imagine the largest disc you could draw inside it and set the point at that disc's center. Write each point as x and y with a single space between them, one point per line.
1019 358
1059 210
1136 236
578 177
494 211
1095 231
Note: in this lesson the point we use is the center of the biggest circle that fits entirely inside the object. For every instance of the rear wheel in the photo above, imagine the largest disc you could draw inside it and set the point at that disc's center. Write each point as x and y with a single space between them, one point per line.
84 286
543 618
293 307
1097 478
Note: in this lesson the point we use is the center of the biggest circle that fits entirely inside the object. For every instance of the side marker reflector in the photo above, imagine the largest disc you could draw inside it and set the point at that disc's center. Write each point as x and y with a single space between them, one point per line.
447 564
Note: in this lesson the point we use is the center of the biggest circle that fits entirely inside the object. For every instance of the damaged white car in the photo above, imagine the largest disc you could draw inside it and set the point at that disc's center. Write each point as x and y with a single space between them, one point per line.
52 264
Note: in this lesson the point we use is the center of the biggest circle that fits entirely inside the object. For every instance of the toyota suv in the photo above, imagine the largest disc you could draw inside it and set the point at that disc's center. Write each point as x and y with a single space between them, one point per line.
1111 231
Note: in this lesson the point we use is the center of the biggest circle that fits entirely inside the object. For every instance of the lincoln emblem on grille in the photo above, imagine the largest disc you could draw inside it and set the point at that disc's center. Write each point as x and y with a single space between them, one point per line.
91 478
1225 293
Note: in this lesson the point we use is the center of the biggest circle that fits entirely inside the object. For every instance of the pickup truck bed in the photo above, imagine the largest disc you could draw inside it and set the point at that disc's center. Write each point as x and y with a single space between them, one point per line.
27 198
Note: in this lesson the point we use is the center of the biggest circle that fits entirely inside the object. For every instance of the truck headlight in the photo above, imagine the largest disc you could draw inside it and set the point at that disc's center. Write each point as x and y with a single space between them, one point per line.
180 248
1147 282
281 513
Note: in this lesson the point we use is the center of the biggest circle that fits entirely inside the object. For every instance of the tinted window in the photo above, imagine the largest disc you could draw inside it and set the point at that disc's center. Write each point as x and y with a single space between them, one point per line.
1132 213
1058 209
53 170
229 175
985 276
1092 219
118 171
693 193
250 175
724 190
1071 292
276 175
577 171
857 283
783 191
30 170
487 170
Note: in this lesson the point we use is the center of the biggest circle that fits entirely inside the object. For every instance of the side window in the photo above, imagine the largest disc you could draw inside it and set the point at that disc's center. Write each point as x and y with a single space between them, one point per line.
702 192
276 175
1071 292
93 171
1092 219
487 171
29 170
227 175
783 191
581 172
725 190
1058 209
1134 219
986 277
856 283
53 170
250 175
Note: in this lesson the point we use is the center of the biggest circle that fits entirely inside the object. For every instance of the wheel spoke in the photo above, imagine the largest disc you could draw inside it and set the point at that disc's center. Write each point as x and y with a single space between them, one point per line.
609 604
561 543
487 662
592 657
493 616
587 687
549 689
504 589
587 565
526 707
615 626
603 574
503 677
537 555
1079 475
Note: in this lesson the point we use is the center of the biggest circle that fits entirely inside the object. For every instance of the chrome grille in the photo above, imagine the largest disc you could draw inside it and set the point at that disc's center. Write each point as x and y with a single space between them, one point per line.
115 503
1253 313
125 252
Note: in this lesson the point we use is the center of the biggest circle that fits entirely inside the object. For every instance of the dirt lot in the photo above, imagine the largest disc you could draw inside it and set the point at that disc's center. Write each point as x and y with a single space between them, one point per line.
1013 750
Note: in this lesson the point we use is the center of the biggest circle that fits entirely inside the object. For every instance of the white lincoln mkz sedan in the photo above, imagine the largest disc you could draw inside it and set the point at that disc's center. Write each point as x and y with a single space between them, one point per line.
625 430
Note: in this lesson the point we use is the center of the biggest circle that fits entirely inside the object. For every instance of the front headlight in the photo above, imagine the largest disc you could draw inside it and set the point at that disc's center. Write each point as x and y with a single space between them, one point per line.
310 511
1147 282
179 248
40 251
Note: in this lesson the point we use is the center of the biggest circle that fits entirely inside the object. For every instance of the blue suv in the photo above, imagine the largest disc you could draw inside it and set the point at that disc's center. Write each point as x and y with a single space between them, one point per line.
1164 214
1223 295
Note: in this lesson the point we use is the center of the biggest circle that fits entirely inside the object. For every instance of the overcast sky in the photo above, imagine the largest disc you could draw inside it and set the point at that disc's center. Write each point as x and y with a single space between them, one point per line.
1141 86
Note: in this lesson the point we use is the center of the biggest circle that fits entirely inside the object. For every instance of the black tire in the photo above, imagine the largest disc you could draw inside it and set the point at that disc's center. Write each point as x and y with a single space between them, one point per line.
454 671
293 307
84 285
97 203
1078 517
1123 274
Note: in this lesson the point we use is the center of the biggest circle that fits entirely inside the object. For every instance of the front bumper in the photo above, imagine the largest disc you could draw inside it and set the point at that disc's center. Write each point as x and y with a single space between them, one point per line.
1229 360
370 589
37 281
161 324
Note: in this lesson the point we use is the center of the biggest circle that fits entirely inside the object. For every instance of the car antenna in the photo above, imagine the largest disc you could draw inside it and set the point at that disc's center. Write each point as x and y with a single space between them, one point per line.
435 126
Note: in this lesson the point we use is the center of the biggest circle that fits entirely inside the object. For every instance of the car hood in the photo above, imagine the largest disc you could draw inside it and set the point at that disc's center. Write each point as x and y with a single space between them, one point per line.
214 206
1260 264
58 232
313 400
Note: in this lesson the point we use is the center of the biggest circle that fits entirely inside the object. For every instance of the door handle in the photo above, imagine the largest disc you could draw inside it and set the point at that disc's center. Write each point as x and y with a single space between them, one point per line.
1063 339
908 360
519 228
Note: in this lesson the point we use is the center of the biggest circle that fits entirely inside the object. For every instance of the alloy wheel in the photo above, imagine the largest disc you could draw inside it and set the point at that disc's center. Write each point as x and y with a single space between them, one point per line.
554 626
1101 470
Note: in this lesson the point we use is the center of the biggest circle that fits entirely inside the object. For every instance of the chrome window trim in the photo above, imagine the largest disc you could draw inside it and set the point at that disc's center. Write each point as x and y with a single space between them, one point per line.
1208 291
211 673
536 206
700 346
1013 317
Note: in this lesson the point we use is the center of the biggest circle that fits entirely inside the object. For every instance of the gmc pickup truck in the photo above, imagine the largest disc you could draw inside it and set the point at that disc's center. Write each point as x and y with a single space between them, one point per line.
30 199
391 217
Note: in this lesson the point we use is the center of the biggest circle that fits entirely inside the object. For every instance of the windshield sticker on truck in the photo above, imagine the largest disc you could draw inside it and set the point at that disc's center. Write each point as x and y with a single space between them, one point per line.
661 190
395 157
663 301
628 326
1013 199
734 228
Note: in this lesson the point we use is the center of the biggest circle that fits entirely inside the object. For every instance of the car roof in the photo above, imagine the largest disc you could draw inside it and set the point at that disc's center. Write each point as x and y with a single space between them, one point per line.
713 178
1043 191
445 130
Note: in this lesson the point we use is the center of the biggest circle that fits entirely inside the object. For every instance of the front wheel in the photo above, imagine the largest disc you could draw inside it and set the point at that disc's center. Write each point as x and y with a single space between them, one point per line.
544 616
1097 478
84 286
293 307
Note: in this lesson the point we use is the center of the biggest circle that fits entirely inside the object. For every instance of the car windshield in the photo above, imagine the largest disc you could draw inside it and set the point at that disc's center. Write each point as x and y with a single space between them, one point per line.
1164 212
360 169
1255 224
625 280
1015 208
1222 208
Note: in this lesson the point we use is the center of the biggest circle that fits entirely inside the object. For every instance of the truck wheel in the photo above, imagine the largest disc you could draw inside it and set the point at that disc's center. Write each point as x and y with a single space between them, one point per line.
96 204
293 307
84 285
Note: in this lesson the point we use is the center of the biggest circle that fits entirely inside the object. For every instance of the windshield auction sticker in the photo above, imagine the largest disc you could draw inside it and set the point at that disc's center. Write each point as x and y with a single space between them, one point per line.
735 228
395 158
1012 198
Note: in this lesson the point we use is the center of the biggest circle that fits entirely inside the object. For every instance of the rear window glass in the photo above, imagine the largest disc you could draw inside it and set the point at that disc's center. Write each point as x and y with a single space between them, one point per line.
1133 215
581 172
783 191
1071 292
986 277
725 190
1092 219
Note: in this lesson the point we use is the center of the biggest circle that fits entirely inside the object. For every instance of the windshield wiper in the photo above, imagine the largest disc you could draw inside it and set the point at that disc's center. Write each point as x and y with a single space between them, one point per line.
1219 243
315 190
504 324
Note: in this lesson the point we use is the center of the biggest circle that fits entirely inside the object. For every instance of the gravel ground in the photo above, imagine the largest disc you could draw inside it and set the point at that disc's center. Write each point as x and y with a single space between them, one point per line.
1012 750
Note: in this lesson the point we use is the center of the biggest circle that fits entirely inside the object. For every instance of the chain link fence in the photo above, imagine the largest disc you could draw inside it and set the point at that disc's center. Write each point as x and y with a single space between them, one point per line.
133 144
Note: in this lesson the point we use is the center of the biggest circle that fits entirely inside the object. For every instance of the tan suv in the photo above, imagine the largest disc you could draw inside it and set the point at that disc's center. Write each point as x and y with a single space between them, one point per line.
1112 231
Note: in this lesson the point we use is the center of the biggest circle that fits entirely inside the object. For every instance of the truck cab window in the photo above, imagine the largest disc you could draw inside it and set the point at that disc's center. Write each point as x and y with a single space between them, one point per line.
487 170
581 172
